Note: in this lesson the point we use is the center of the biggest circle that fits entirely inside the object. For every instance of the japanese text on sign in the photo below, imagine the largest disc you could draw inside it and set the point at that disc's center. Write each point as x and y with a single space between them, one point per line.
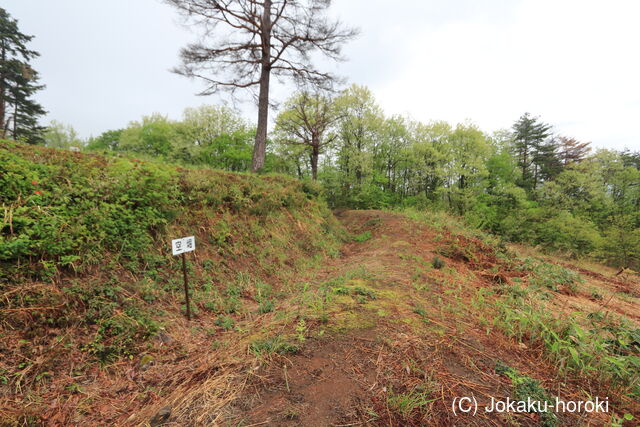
186 244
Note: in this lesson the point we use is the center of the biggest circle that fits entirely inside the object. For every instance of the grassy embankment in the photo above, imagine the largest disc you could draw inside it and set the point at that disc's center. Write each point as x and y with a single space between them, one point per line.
89 289
415 308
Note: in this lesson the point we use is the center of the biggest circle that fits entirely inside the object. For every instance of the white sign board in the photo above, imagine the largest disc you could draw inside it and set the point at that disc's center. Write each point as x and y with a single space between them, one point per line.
186 244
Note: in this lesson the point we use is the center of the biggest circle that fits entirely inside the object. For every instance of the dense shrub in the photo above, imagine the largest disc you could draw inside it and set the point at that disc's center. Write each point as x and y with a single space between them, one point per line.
67 211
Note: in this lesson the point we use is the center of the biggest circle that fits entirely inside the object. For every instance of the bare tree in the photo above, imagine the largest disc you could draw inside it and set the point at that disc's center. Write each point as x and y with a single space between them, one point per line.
244 42
572 151
307 120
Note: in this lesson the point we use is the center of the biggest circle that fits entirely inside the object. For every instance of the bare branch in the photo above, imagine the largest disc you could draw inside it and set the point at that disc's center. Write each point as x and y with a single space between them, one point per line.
244 42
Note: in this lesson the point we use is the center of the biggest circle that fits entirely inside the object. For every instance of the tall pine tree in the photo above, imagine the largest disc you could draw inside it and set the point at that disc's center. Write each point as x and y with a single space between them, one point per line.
19 113
530 147
546 161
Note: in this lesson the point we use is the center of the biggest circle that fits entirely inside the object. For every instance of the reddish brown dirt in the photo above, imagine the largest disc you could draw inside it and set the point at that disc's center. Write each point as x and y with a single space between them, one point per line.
421 336
346 380
321 386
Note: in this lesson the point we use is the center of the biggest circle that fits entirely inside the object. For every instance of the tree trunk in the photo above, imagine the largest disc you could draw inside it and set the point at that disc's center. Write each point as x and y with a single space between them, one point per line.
260 147
315 153
15 122
524 165
2 97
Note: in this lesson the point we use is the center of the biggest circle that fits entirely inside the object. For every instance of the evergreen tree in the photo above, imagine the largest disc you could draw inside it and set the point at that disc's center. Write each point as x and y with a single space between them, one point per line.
245 43
546 161
631 158
19 113
529 136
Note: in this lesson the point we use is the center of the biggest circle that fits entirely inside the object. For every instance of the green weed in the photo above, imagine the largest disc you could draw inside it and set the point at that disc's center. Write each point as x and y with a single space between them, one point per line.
406 403
266 306
362 237
272 345
225 322
437 263
554 277
525 387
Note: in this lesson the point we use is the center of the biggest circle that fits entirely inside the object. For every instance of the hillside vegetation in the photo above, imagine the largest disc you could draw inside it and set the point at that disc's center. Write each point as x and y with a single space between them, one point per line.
528 184
87 276
352 267
301 317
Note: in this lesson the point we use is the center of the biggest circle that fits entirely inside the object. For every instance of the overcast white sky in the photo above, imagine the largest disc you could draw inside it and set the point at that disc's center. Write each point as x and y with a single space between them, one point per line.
575 63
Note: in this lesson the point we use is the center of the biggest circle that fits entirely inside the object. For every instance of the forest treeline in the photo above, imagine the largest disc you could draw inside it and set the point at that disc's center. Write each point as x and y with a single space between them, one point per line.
526 184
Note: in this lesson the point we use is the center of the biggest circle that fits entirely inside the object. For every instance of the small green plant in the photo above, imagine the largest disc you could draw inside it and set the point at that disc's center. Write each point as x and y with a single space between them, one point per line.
525 387
266 306
596 295
301 330
364 292
263 290
619 421
74 388
208 265
341 290
359 292
362 237
554 277
406 403
272 345
437 263
225 322
291 414
420 311
232 303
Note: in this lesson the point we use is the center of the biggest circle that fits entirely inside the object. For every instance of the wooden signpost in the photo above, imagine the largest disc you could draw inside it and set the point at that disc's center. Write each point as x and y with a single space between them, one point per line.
181 247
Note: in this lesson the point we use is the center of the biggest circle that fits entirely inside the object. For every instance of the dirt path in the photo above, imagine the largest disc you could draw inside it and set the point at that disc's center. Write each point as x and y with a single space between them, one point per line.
403 342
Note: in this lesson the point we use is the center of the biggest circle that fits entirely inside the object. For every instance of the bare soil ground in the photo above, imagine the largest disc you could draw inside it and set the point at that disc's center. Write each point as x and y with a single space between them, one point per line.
418 345
376 336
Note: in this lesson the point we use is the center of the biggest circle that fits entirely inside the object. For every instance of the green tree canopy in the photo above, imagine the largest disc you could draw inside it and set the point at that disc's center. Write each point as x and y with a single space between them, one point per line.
308 120
152 136
61 135
19 112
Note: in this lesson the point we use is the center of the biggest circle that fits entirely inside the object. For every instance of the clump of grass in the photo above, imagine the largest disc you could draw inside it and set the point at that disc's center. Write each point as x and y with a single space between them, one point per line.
605 349
342 290
514 292
266 306
554 277
420 311
525 387
374 222
406 403
291 414
358 291
272 345
437 263
596 295
362 237
225 322
301 330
